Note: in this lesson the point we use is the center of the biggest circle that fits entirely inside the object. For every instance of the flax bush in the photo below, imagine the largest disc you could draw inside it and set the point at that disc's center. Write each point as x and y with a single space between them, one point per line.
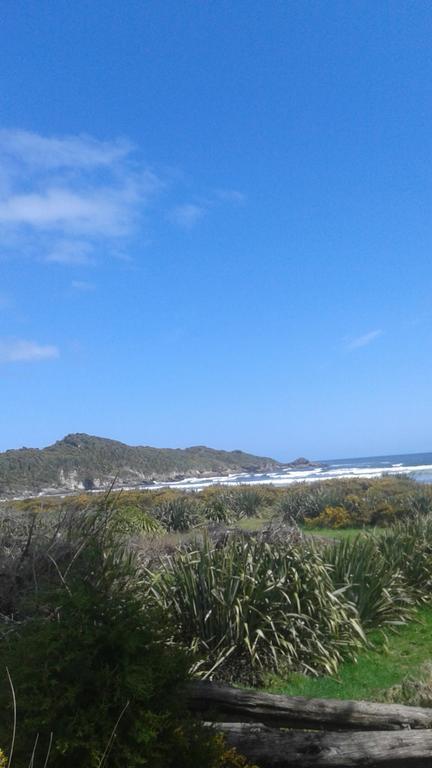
178 514
251 606
371 580
408 547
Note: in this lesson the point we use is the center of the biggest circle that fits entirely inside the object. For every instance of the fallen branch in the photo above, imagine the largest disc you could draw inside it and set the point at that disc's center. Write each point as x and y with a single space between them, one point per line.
298 712
271 748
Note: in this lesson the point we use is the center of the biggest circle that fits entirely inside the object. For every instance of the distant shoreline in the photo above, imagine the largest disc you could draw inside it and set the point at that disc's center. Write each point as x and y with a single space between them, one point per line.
287 475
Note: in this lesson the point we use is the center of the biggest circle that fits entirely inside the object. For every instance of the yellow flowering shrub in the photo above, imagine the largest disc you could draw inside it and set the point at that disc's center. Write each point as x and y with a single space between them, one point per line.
330 517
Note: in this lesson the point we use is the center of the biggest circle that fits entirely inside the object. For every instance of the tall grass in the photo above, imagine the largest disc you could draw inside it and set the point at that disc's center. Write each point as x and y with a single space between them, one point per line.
371 581
251 606
178 514
408 547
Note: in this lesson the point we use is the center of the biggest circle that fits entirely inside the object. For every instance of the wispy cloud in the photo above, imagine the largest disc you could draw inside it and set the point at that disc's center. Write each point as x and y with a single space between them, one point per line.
187 215
231 196
71 252
365 340
97 212
82 285
20 350
65 152
71 200
61 197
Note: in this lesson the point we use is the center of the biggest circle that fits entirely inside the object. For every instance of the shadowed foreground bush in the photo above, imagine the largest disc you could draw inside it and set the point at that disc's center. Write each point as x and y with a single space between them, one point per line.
93 664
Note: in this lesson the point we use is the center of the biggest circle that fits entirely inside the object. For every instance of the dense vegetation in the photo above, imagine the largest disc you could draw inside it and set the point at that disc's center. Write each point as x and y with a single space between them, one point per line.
258 603
338 504
250 606
82 461
107 607
355 502
94 666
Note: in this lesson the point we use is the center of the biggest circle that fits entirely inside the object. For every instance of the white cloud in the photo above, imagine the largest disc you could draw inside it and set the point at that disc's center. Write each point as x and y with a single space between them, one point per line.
95 213
66 152
363 341
19 350
76 189
74 199
187 215
71 252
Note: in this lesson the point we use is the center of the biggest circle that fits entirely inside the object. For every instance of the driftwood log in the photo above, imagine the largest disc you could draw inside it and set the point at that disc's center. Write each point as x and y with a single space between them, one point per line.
271 748
298 712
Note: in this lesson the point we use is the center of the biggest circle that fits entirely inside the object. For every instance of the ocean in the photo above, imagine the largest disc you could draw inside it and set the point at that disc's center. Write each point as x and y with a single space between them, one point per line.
416 465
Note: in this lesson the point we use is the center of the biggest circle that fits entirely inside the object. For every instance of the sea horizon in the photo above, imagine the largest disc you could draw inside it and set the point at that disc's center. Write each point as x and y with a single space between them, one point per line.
416 465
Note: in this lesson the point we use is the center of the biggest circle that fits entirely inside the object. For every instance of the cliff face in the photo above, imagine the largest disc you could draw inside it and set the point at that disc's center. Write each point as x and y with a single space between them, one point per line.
84 462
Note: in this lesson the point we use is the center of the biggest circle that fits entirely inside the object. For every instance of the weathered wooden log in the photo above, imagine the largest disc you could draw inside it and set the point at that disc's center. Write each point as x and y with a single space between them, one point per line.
299 712
272 748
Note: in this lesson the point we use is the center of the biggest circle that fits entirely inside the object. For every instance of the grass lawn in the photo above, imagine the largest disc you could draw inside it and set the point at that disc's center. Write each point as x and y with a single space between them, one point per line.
252 523
332 533
339 533
392 658
256 523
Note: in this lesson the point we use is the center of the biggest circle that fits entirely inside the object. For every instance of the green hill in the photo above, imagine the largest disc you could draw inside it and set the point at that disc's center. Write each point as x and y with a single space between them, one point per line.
83 462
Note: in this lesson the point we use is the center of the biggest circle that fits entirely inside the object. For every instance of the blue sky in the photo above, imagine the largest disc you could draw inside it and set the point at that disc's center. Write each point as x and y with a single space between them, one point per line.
215 224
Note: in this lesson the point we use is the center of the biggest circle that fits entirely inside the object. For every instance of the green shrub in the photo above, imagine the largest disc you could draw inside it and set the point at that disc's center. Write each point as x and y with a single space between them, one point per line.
250 606
94 664
178 514
408 546
299 502
217 506
132 520
373 583
368 501
246 501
